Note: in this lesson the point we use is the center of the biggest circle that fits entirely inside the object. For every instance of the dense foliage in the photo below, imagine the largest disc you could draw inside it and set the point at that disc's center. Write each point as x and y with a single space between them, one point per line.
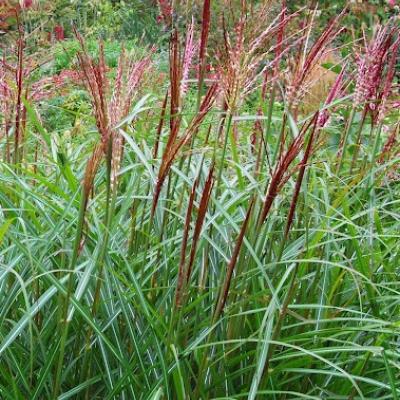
199 207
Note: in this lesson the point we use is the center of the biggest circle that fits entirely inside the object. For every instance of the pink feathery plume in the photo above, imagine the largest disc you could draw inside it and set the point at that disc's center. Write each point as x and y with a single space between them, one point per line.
7 100
115 110
126 84
388 84
370 67
190 49
166 10
26 4
94 75
241 60
281 34
134 78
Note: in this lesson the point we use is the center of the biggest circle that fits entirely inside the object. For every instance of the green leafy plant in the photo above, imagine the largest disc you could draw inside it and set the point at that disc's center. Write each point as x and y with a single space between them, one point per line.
182 233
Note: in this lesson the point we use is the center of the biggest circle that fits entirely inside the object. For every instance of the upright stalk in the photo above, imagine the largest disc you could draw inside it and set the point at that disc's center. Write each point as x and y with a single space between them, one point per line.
19 83
222 161
65 304
109 206
342 148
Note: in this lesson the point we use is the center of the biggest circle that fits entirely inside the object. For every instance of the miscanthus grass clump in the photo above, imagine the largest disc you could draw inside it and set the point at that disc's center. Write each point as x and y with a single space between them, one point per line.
203 234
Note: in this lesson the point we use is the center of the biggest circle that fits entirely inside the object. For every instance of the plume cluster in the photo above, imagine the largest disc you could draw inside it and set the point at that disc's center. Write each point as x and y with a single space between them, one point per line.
376 63
249 51
111 106
179 67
